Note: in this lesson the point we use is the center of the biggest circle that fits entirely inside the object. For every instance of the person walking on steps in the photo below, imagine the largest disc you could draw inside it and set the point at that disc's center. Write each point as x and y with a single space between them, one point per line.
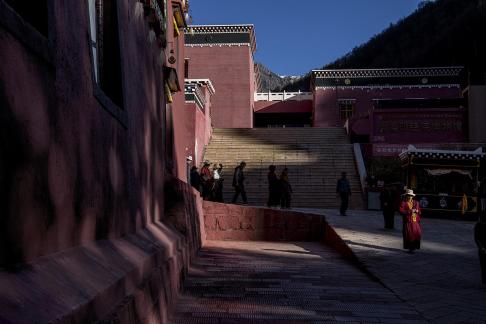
343 190
273 187
286 189
239 182
412 231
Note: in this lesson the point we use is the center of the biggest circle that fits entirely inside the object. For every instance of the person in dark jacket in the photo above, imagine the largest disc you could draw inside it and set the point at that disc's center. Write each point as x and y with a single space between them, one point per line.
343 190
195 178
239 182
286 195
273 187
388 206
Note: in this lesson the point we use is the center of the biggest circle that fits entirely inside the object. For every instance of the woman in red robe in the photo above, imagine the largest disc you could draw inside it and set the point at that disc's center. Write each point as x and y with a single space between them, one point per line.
412 231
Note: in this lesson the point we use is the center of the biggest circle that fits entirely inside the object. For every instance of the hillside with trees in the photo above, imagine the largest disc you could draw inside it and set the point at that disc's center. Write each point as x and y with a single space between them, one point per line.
270 81
438 33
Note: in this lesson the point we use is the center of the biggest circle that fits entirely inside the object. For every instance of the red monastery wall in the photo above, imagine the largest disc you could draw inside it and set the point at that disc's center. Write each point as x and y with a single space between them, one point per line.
326 111
229 68
90 215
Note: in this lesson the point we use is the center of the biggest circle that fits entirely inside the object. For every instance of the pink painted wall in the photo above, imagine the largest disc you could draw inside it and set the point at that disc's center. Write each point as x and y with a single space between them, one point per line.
326 111
184 135
234 222
287 106
71 173
192 131
230 69
132 279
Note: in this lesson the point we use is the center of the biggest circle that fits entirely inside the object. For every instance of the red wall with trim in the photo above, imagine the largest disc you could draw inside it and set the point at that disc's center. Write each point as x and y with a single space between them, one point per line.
326 111
230 69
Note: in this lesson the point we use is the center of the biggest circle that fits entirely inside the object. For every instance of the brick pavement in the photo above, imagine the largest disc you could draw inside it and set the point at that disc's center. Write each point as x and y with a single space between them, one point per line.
276 282
442 280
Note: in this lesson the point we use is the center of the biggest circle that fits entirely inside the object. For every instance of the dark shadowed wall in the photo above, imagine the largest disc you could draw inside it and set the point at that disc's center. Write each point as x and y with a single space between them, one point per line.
74 167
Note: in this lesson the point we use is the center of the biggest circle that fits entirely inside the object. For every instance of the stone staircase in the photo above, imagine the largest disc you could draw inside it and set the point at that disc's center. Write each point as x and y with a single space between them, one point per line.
315 158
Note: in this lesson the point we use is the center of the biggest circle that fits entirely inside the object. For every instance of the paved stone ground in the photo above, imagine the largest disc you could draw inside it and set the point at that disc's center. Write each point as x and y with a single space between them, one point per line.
273 282
442 280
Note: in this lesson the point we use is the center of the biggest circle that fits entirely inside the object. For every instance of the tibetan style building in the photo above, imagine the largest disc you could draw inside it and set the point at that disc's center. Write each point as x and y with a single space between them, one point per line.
224 54
410 105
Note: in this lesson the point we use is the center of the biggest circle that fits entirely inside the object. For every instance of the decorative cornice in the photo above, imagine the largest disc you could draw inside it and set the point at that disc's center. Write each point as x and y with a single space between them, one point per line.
388 86
205 82
193 94
194 30
222 29
217 44
383 73
442 154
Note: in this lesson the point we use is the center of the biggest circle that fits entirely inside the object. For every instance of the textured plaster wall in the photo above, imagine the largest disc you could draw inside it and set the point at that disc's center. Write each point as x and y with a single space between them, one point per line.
92 226
71 173
234 222
132 279
326 111
229 69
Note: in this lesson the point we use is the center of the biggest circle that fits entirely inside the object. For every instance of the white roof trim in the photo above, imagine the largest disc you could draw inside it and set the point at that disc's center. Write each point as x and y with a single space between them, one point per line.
412 149
205 82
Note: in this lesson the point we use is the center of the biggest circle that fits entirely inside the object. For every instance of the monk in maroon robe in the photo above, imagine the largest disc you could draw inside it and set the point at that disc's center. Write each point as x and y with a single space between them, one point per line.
412 231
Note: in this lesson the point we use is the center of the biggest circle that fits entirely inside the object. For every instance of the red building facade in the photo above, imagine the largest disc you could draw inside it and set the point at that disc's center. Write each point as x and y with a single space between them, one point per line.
94 211
224 54
411 105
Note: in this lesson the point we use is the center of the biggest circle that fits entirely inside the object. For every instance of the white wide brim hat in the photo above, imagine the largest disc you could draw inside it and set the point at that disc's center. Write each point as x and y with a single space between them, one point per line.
409 192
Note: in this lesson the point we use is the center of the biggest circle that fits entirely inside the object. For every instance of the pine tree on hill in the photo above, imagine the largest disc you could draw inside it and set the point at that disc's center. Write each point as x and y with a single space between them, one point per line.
440 33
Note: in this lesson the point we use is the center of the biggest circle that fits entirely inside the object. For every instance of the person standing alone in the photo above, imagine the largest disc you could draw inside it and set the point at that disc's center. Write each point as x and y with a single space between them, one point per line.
239 182
388 206
412 231
343 190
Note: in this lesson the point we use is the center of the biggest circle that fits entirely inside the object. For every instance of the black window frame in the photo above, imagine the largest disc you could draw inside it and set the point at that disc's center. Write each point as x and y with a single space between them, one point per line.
117 111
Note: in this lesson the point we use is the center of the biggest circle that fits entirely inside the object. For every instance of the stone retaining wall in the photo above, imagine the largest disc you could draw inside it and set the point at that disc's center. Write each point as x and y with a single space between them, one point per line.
244 223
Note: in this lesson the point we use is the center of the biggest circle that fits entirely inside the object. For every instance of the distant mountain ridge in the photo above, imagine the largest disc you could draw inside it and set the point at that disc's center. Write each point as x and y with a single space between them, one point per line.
438 33
270 81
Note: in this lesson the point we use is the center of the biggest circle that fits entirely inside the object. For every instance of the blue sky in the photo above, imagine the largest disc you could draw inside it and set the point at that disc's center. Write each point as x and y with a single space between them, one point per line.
295 36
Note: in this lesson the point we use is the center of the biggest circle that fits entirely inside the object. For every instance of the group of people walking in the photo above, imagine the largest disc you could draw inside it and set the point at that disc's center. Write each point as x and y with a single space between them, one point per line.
279 188
208 182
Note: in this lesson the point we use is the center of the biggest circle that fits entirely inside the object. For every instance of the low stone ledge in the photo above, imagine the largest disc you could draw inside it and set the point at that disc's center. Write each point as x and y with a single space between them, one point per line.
246 223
